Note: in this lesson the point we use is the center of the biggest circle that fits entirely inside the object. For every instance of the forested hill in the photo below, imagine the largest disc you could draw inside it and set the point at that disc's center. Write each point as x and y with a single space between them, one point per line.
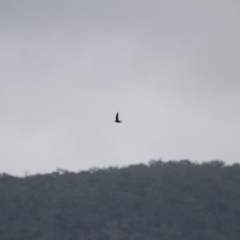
169 201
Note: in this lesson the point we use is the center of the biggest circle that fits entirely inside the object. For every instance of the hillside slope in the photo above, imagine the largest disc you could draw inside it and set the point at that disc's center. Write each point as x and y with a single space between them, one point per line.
176 200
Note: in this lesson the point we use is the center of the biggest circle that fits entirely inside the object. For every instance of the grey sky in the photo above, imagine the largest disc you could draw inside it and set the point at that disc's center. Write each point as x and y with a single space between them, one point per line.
170 68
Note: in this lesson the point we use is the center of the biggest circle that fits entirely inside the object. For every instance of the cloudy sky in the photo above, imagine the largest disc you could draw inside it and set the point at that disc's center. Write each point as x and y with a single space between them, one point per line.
170 68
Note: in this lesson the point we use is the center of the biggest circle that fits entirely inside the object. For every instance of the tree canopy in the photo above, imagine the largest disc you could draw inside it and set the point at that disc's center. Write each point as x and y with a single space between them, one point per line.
175 200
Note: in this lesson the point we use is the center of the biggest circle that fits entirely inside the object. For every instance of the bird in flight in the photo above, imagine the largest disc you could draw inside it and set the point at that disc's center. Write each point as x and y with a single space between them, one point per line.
117 120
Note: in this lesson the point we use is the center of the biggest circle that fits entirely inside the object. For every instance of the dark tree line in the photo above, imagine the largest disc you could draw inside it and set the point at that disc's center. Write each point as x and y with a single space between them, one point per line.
176 200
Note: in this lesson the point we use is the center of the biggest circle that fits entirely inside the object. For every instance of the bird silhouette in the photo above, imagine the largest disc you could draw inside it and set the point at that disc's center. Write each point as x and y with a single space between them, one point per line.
117 120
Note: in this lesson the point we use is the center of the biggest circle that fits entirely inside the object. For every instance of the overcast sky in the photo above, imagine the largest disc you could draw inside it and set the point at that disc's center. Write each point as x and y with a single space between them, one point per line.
170 68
